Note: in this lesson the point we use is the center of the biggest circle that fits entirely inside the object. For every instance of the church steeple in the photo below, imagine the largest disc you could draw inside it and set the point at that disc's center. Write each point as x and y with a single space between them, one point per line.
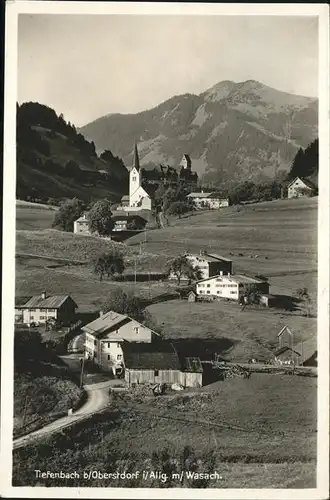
136 162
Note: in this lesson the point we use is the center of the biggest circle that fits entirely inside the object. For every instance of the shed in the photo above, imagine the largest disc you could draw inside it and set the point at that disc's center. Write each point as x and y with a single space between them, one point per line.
287 356
268 300
191 296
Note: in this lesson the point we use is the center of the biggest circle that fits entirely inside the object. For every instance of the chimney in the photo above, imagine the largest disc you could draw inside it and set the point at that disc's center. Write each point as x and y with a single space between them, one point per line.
228 274
221 273
101 313
43 295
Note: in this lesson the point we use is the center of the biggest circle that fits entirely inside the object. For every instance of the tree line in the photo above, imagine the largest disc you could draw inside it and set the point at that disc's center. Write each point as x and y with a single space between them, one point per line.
37 126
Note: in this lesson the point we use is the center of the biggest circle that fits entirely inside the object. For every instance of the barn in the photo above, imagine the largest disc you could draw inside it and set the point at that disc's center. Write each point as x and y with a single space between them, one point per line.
286 356
158 363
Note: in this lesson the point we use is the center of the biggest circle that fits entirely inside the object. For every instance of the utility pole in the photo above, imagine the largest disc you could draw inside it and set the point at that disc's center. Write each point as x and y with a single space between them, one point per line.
25 408
135 272
82 372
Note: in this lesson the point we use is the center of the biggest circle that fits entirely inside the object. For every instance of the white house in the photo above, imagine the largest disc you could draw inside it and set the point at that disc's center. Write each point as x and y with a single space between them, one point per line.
209 264
208 200
105 336
139 199
300 187
229 286
81 225
41 308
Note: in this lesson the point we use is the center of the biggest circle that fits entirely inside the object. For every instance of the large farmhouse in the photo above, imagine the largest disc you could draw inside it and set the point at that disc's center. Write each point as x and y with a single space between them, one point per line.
211 200
41 308
106 335
119 344
230 286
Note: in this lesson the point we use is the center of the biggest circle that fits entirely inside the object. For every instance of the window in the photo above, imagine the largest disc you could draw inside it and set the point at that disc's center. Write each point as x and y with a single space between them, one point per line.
108 344
232 291
218 291
208 291
201 285
108 357
51 310
32 317
42 317
208 286
136 329
95 342
156 373
94 354
118 344
32 310
119 357
134 179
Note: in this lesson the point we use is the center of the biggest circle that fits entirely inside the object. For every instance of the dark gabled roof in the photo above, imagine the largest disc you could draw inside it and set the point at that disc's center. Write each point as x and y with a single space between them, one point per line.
307 348
310 183
21 301
157 355
281 350
52 302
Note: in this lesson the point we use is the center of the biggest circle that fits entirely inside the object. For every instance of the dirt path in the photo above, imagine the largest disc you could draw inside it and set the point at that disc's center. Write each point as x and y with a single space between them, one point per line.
97 399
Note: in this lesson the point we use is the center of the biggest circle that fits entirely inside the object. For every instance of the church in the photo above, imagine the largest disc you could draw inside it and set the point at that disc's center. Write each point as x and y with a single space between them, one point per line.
138 198
142 183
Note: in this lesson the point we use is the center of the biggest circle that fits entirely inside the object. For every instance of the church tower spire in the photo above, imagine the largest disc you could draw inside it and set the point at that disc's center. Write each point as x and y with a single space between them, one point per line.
136 163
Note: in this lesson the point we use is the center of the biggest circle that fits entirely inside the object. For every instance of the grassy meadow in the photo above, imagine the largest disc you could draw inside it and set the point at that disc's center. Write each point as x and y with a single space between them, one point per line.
256 433
249 333
33 216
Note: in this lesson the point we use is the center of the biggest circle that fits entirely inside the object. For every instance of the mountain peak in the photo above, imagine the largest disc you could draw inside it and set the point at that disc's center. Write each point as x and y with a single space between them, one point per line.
219 91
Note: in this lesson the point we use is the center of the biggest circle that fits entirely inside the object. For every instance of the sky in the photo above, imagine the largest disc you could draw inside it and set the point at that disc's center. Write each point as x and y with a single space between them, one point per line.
87 66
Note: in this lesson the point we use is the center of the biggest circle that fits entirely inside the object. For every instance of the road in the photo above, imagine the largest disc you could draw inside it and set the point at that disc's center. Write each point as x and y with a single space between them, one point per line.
97 400
77 343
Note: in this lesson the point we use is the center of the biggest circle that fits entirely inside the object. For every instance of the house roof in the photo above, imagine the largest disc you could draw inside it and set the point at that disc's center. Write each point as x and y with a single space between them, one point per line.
157 355
238 278
210 257
213 195
21 301
283 349
52 302
198 195
307 181
284 329
125 197
82 218
106 324
216 256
